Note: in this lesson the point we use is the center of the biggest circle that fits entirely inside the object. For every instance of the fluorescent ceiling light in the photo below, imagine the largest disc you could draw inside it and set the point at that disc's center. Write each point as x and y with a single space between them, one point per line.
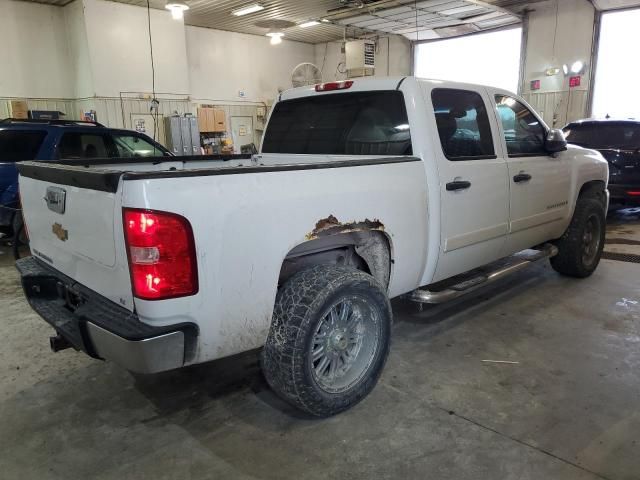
310 23
247 9
177 9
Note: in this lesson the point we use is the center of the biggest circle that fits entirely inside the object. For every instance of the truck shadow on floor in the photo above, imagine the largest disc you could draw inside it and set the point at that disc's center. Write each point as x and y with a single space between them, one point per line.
194 386
198 387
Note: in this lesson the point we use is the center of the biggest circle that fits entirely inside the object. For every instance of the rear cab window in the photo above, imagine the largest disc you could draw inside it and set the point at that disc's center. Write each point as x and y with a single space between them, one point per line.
354 123
20 145
463 124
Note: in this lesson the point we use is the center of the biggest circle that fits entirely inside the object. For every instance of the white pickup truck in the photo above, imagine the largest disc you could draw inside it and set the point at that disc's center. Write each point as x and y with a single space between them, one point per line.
364 190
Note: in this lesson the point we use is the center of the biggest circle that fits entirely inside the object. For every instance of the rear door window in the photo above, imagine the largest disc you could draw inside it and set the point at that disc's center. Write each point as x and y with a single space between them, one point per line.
463 124
85 145
357 123
20 145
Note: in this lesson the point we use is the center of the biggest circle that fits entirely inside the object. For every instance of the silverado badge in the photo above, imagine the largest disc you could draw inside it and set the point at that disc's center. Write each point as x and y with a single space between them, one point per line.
60 232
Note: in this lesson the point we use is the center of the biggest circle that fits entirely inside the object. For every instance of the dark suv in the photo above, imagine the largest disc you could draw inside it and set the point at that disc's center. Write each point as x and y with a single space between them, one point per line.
619 142
58 139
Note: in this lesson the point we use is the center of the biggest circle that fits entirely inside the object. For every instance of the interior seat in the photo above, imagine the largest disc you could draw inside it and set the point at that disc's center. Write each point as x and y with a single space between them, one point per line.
454 143
372 134
90 151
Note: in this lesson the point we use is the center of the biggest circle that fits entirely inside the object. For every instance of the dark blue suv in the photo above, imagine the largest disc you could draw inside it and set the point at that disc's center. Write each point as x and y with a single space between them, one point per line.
619 143
58 139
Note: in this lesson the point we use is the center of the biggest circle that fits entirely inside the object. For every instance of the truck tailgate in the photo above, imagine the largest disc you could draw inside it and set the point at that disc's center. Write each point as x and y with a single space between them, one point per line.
78 231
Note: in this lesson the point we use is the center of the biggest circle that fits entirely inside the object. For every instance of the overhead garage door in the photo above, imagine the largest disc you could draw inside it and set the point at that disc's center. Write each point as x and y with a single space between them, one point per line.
484 58
618 69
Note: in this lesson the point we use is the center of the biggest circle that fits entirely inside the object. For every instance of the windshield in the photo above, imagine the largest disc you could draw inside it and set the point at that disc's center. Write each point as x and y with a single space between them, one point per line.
134 146
357 123
614 135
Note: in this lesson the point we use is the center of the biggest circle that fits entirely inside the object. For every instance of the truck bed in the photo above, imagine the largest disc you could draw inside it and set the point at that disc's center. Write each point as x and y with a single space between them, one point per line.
247 214
105 174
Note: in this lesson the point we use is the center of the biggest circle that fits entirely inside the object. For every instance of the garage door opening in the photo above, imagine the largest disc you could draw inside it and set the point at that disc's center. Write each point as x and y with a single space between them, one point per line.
615 94
487 58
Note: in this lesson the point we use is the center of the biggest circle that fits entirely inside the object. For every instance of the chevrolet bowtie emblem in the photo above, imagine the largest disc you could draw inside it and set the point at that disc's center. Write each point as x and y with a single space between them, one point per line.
60 232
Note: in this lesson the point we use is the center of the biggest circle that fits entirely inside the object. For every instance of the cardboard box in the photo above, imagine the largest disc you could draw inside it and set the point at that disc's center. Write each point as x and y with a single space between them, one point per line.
19 109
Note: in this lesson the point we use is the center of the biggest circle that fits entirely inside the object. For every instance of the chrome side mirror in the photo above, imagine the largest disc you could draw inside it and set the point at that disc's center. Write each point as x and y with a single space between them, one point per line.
555 141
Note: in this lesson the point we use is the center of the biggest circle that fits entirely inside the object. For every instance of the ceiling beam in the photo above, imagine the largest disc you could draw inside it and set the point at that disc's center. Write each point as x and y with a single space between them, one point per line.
377 11
480 3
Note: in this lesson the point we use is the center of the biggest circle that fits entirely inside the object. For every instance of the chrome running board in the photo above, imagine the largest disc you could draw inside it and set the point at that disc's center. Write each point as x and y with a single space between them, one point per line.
483 276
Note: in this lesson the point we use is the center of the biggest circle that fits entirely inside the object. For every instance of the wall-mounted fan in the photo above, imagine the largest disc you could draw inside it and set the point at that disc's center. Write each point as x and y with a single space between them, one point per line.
305 74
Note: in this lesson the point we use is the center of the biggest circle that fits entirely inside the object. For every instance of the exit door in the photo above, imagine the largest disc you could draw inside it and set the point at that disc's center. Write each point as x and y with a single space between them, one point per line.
241 132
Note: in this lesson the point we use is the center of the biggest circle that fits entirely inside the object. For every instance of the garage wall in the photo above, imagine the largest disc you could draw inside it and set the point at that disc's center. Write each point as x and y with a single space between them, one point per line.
119 49
393 58
94 55
255 68
34 56
88 54
573 32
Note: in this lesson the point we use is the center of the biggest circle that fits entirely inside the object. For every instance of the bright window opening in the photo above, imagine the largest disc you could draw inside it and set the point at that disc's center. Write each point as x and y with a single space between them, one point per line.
618 70
488 59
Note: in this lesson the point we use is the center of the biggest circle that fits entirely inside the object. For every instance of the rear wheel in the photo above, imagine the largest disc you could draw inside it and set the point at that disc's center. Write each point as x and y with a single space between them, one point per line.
329 339
580 248
20 242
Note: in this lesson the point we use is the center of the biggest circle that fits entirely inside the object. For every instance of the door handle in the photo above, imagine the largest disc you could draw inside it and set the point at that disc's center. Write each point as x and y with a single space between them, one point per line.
458 185
522 177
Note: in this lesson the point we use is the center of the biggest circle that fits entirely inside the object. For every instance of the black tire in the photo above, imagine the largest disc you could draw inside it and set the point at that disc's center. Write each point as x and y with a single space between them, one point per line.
305 304
586 231
20 240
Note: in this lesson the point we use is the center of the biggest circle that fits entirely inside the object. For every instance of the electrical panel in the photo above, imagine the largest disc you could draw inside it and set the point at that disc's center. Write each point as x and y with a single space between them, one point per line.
360 55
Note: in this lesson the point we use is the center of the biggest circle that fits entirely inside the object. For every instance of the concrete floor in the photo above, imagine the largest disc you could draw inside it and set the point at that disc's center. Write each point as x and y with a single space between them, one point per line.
568 409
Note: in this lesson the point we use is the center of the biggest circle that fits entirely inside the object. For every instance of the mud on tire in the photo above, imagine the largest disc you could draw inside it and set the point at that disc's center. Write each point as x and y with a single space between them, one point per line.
329 339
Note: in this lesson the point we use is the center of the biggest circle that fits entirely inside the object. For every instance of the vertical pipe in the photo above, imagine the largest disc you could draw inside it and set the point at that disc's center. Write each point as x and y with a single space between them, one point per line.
595 47
523 52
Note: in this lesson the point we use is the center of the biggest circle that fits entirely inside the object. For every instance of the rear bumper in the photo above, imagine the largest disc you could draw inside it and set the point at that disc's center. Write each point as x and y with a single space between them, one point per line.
101 328
620 194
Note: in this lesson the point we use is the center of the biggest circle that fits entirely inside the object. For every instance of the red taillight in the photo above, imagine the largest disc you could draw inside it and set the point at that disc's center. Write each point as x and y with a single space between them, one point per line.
634 193
328 87
162 254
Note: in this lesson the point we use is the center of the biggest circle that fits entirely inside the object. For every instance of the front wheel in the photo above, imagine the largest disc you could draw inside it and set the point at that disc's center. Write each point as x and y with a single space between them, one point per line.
329 339
580 248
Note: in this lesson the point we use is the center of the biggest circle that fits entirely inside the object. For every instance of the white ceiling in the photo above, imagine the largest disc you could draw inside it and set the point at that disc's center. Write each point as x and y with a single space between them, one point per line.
359 16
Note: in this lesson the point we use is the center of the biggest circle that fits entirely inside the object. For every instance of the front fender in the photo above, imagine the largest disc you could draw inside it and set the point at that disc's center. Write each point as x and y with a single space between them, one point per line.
586 166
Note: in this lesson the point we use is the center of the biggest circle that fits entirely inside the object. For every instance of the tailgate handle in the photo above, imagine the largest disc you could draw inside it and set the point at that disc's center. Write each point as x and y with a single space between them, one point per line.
56 199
